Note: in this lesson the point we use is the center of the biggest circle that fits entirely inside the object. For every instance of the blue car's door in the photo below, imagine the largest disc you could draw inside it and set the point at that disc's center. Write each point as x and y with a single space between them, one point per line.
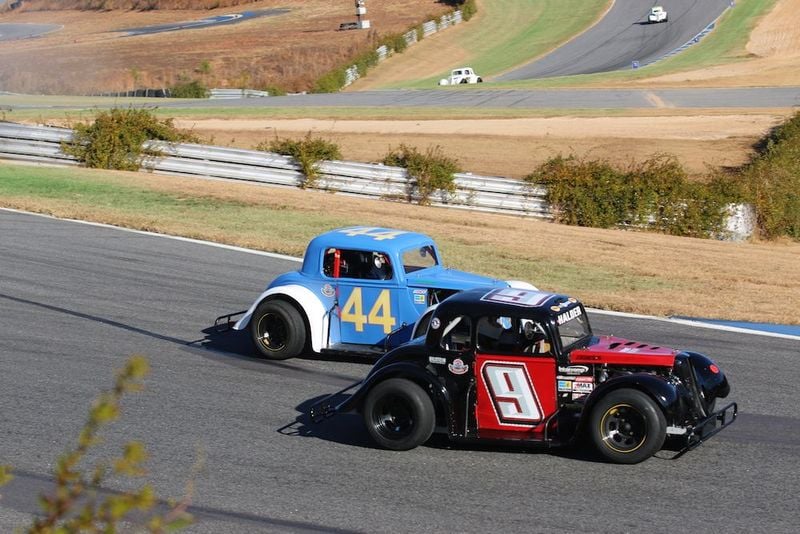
368 310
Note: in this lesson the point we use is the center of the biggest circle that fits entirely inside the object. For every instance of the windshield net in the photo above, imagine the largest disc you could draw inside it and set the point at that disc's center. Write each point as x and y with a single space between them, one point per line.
573 325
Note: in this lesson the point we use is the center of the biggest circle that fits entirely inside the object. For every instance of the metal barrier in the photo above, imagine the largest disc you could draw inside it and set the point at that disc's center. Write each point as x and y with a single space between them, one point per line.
218 94
473 192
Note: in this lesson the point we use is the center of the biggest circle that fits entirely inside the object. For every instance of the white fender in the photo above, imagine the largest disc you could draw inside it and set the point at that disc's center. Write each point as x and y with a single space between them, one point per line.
312 307
518 284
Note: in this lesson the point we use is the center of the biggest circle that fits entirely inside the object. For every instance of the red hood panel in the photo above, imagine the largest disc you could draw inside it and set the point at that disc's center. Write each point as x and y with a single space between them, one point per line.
618 351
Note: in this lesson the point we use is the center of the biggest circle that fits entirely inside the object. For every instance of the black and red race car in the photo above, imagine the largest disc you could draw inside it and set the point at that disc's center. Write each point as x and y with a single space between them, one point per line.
517 365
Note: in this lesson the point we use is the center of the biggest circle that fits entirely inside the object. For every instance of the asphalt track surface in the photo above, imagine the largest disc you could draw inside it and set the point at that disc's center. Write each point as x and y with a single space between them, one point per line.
12 32
624 36
207 22
76 300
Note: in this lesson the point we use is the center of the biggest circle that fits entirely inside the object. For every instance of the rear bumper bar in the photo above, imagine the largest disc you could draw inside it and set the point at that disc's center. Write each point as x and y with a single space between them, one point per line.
223 323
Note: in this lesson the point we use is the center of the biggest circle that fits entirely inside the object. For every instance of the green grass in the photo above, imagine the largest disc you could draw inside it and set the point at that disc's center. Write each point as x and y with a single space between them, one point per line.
510 32
97 196
44 114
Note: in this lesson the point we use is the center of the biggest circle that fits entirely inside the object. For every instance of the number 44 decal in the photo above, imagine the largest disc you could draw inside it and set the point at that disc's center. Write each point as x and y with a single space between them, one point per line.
380 314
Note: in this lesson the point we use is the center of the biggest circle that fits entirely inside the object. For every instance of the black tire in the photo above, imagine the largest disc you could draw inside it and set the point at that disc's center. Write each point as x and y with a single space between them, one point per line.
480 80
277 330
399 414
627 426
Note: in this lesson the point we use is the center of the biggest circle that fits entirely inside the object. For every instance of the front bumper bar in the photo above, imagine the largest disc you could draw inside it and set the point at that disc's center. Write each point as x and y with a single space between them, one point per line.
709 427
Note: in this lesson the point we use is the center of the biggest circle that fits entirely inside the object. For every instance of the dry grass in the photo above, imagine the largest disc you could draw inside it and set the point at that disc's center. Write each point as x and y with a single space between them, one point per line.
514 147
290 50
612 269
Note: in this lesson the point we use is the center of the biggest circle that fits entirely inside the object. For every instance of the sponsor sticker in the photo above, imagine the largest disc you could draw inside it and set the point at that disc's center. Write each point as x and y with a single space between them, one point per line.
582 387
328 290
420 298
568 316
573 370
458 367
565 385
438 360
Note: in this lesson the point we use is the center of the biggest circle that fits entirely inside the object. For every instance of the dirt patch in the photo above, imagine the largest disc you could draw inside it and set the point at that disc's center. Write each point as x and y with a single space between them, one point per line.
513 147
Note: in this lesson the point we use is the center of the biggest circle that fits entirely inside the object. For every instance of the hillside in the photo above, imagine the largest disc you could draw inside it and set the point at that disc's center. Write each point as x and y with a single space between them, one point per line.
127 5
91 53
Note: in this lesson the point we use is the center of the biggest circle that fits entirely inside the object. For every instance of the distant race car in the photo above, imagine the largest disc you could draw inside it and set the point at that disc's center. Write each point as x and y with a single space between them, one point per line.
360 291
461 75
523 366
657 14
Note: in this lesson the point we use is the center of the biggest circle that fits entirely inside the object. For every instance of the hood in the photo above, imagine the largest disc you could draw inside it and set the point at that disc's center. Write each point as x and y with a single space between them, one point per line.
618 351
444 278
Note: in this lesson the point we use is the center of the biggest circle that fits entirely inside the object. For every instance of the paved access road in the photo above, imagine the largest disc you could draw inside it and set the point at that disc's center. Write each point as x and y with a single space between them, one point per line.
12 32
624 36
741 97
76 300
209 22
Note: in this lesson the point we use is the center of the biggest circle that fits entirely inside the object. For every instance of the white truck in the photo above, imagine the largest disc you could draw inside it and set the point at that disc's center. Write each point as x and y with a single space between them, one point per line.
461 75
656 15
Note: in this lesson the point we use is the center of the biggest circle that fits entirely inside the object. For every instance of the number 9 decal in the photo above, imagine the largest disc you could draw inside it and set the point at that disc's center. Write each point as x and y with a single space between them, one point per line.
511 391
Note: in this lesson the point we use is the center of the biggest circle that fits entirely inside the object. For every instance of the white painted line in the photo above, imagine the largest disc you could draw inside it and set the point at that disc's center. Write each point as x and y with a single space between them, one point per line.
696 324
684 322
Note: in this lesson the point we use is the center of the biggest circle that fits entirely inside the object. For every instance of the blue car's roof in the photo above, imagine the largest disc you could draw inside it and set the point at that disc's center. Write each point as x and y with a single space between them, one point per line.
367 237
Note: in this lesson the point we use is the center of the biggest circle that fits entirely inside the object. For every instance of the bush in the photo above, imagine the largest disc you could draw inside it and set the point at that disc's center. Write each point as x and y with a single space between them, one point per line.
432 171
468 9
772 181
307 152
655 194
186 89
114 140
331 82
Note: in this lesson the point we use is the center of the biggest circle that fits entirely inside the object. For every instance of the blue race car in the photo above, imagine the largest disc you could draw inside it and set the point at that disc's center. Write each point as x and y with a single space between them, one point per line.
361 290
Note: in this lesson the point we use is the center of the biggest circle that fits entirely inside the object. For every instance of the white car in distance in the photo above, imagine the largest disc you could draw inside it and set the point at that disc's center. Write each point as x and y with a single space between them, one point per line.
461 75
656 15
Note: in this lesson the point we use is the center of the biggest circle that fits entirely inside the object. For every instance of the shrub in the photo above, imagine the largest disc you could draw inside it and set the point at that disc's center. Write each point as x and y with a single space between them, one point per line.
583 193
114 140
772 181
331 82
395 42
655 194
430 172
307 152
468 9
189 89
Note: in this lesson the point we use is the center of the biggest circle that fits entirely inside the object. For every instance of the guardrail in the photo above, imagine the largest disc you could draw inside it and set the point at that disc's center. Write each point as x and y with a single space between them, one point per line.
473 192
236 93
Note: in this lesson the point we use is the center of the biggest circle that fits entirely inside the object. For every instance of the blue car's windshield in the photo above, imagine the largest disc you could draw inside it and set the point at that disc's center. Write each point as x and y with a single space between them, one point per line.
417 258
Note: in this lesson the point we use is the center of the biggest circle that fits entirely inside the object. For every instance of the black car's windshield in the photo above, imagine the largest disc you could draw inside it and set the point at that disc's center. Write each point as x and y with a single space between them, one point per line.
573 325
417 258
